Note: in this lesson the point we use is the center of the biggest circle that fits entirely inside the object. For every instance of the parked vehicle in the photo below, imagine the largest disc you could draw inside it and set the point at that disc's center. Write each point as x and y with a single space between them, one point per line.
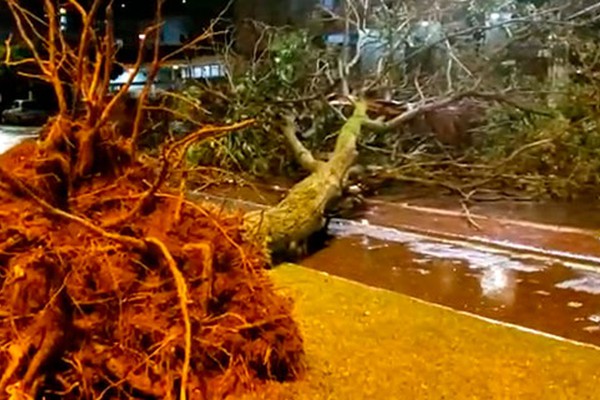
25 112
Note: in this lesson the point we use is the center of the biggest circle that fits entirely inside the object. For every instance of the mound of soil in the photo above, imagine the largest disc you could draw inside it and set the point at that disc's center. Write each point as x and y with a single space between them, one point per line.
131 309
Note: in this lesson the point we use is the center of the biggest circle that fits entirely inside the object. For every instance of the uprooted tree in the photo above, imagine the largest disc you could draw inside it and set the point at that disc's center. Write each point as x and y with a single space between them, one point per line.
143 292
114 285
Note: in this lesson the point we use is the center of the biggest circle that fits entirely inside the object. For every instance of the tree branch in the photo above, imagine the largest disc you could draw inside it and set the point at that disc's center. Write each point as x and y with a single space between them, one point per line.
302 155
427 106
382 126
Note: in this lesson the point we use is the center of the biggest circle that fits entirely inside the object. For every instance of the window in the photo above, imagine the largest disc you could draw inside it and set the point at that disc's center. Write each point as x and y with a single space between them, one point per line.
203 71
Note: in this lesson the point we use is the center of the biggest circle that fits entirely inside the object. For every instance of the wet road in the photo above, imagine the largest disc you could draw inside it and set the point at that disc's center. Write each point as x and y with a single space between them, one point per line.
582 214
533 292
12 135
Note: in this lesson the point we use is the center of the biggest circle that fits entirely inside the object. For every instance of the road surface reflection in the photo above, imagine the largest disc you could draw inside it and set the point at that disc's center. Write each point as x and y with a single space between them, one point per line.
515 288
11 135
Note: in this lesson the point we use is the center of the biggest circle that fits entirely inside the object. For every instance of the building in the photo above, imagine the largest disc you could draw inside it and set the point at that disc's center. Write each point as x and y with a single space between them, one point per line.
172 74
182 20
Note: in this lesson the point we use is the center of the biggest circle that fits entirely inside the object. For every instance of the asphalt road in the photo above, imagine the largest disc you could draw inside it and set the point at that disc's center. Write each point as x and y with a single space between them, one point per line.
12 135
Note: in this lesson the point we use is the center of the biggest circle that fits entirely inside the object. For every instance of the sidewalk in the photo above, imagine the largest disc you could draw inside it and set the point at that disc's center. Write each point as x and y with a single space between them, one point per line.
366 343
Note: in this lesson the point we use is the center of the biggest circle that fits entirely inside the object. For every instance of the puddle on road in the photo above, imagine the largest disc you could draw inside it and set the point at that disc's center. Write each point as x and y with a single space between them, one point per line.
431 249
530 292
586 284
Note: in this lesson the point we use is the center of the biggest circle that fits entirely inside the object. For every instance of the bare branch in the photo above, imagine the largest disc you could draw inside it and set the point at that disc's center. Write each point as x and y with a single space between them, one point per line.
149 79
428 106
302 155
414 112
53 68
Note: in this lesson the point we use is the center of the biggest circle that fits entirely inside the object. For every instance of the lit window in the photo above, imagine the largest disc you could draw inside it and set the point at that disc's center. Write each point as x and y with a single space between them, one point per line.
63 22
197 72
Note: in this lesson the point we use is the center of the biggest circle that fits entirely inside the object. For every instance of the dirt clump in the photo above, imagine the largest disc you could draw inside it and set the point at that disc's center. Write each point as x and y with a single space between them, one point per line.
95 305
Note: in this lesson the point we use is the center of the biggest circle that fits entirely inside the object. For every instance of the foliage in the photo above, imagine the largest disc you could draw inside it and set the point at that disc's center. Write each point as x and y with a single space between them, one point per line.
515 154
568 165
291 67
549 148
17 52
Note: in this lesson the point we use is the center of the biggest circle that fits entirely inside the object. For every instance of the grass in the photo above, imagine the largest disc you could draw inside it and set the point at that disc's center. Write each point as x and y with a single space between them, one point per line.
366 343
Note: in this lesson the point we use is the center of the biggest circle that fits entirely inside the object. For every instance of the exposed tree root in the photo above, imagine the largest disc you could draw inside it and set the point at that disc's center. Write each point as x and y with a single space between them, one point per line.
111 286
182 293
172 304
166 162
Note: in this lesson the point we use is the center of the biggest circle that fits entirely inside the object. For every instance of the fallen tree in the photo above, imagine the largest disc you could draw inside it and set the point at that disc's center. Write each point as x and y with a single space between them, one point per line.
144 293
286 226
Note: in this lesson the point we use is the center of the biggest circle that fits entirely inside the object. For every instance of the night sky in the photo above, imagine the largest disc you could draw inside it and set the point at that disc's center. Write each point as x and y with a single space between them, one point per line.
197 8
202 9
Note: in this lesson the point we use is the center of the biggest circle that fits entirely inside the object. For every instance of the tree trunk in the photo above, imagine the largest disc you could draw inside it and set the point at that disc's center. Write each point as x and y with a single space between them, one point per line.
301 213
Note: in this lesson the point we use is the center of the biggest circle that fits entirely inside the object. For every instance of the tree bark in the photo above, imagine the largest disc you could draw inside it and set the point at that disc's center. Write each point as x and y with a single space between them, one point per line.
301 212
